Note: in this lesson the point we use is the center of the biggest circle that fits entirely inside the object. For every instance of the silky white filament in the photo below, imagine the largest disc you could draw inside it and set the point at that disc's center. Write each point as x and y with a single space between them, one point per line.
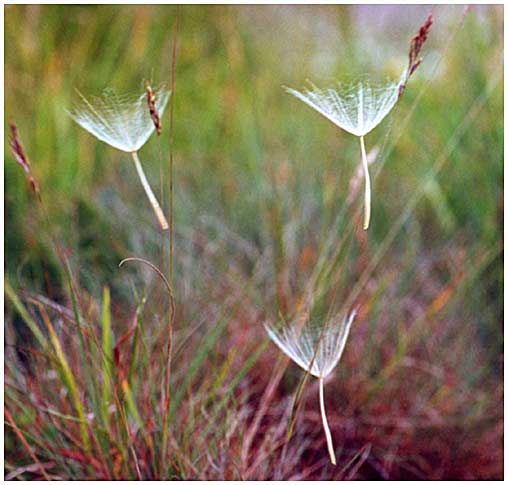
123 122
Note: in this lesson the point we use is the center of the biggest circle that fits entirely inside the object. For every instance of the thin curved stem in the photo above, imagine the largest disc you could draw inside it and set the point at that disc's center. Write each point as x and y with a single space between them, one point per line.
163 223
328 435
366 220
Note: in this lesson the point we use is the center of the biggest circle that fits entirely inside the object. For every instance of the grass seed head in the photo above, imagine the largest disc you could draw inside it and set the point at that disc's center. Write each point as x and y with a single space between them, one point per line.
415 48
416 45
21 157
154 113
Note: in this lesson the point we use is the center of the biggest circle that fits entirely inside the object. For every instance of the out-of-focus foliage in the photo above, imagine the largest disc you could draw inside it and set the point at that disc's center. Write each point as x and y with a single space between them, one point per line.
261 182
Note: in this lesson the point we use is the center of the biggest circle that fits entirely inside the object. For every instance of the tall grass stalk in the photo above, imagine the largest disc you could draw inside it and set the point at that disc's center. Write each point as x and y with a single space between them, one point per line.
169 345
163 223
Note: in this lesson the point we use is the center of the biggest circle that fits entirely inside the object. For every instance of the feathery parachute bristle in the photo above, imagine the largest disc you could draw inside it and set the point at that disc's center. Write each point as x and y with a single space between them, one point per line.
121 121
357 109
318 344
316 348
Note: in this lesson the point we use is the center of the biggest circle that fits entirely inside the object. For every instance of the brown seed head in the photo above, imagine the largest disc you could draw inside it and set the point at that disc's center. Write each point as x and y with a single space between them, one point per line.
414 51
154 114
20 156
416 45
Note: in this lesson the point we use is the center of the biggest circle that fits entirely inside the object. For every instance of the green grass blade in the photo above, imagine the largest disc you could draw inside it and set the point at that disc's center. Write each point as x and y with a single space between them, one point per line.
69 381
107 357
20 308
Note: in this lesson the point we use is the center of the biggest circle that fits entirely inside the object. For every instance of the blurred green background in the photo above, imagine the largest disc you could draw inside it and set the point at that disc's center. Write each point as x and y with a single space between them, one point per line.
244 149
233 121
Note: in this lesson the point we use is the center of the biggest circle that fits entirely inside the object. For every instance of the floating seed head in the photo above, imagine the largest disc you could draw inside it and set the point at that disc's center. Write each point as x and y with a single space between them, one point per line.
124 122
302 343
357 108
316 349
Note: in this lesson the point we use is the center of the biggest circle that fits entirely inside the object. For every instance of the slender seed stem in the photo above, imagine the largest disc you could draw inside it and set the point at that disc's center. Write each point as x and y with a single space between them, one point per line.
328 435
151 197
366 220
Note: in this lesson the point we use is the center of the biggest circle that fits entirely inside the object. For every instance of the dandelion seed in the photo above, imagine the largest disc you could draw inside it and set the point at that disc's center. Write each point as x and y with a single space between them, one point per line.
357 109
317 349
124 123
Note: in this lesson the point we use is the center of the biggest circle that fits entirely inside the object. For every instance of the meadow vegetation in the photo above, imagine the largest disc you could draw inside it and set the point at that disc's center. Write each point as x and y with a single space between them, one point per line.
268 213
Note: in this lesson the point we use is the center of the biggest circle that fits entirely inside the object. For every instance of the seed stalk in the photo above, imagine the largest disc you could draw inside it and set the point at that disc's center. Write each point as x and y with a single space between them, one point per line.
328 435
163 223
366 219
